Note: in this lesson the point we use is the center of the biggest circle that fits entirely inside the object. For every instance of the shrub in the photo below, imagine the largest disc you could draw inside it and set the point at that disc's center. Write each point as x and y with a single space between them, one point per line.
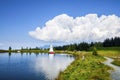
95 51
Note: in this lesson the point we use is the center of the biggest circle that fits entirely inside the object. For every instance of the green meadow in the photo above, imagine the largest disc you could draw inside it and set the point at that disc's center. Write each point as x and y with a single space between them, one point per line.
91 68
112 52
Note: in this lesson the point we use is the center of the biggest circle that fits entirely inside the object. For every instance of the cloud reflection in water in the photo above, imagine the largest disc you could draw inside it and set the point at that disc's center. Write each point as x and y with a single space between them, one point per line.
51 64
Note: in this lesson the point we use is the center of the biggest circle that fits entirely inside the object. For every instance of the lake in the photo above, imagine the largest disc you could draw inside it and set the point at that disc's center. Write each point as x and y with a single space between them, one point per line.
31 66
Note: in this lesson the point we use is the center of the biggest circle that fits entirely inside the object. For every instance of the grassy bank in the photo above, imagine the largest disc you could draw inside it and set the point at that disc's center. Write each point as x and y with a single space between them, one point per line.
89 69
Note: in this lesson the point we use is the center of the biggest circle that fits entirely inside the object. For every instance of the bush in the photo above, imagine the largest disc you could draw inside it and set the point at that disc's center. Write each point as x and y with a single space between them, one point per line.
95 51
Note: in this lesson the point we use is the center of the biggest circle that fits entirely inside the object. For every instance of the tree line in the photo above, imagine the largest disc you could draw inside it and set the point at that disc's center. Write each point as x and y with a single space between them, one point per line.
113 42
84 46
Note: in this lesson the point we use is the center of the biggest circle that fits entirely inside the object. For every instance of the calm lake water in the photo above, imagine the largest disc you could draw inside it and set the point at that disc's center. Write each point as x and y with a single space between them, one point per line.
26 66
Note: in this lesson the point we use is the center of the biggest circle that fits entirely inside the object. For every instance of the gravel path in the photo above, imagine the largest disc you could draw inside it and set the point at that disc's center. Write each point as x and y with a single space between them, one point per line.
115 75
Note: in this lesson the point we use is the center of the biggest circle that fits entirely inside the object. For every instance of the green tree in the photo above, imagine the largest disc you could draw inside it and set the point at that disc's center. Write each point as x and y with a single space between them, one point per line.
84 46
113 42
98 44
10 48
21 48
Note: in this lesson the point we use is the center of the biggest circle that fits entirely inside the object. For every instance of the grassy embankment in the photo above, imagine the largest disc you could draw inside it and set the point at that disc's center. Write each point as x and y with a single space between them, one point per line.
91 68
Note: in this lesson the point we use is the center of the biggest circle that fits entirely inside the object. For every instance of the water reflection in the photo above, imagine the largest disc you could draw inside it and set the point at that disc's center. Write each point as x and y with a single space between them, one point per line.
52 65
9 54
51 56
31 66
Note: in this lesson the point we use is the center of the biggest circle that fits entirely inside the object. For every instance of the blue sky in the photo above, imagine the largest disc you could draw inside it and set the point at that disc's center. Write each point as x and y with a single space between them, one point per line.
18 17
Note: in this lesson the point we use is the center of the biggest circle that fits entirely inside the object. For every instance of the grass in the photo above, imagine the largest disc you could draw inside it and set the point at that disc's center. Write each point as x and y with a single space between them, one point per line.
112 52
109 48
116 61
91 68
109 53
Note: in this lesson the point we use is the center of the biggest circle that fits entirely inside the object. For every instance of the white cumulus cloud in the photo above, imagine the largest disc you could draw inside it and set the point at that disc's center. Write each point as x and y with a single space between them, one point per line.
84 28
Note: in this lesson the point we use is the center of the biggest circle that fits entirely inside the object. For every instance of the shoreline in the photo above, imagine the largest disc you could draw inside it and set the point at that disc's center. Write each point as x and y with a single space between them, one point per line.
80 72
90 68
